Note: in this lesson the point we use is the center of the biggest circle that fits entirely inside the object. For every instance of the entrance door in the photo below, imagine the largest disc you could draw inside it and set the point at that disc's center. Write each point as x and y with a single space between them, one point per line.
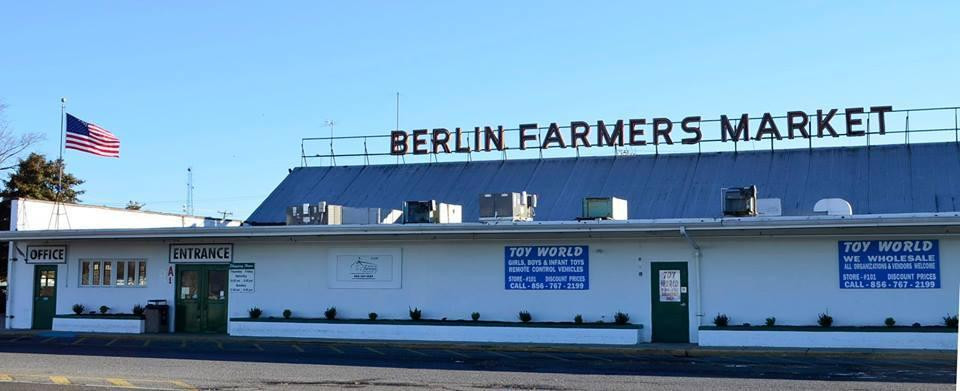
670 309
201 304
44 296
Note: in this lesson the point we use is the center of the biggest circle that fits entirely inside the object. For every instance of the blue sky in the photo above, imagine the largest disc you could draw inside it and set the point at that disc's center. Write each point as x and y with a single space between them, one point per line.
229 88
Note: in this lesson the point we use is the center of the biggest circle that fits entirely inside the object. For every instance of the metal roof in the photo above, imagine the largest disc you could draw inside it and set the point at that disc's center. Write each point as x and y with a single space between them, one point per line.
918 178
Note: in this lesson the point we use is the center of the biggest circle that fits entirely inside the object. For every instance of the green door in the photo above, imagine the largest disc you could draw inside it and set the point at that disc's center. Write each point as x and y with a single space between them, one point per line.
44 296
201 304
670 307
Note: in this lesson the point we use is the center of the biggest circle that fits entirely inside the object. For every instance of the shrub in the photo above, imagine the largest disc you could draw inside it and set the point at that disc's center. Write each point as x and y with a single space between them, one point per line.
330 313
372 316
255 312
525 316
889 322
621 318
771 321
578 319
78 309
950 321
104 309
138 310
475 316
287 314
721 320
824 320
916 324
415 313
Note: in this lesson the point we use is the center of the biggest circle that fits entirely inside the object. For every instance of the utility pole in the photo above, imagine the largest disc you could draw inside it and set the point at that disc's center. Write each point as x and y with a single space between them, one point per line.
188 208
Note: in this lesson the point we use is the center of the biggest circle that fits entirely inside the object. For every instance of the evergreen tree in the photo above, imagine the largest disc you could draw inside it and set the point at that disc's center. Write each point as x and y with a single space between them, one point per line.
37 178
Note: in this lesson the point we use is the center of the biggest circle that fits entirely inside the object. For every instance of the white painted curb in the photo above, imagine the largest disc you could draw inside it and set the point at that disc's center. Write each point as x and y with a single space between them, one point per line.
829 339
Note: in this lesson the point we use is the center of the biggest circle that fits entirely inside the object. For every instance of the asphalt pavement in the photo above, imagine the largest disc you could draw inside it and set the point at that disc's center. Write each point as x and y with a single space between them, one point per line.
177 362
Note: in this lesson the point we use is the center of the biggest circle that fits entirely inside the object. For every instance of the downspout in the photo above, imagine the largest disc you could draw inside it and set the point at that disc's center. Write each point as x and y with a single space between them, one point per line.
8 316
696 265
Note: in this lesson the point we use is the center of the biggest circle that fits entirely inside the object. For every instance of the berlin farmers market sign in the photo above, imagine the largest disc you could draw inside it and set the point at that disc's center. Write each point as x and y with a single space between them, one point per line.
638 132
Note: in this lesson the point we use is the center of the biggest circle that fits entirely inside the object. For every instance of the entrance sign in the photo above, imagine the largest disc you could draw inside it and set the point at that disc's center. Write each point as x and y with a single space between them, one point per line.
639 131
201 253
46 254
669 286
546 267
369 269
242 278
889 264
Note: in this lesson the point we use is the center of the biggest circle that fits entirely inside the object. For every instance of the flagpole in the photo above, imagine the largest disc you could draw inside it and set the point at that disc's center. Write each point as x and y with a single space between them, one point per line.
63 110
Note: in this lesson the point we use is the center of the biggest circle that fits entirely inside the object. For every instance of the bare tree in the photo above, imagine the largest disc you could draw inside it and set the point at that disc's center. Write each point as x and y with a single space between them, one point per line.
11 144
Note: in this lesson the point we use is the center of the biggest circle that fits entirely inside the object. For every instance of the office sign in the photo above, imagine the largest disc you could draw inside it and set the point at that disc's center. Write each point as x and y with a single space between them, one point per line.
828 123
242 278
365 269
889 264
546 267
46 254
201 253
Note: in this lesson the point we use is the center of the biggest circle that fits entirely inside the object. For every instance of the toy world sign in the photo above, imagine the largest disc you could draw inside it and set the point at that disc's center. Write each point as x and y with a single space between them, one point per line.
889 264
546 267
638 132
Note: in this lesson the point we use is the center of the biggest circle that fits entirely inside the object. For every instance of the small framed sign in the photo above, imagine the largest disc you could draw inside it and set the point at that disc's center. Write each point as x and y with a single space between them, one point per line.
201 253
46 254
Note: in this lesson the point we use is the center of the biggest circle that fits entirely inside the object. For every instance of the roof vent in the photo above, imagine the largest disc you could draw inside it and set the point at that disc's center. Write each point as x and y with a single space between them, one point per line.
769 207
320 213
604 208
833 207
507 206
739 201
431 212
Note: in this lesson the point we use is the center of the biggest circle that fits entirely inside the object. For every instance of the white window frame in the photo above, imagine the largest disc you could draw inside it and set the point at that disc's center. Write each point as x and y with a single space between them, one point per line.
113 272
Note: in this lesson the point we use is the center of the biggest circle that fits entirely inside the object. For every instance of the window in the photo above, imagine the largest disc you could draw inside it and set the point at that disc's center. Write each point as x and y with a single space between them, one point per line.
126 273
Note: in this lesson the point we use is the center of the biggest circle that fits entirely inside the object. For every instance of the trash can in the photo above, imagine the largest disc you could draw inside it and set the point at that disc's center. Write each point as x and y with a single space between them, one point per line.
157 316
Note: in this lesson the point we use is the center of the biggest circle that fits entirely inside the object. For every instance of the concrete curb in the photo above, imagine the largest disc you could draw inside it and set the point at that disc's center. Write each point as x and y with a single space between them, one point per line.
676 350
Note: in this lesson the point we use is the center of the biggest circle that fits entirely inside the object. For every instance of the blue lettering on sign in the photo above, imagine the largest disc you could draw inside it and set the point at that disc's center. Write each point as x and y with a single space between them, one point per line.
546 267
889 264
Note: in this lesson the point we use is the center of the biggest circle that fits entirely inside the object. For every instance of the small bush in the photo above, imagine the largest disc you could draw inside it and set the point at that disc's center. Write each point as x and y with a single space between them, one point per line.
78 309
721 320
138 310
916 324
287 314
372 316
255 312
578 319
824 320
104 309
525 316
950 321
415 313
330 313
621 318
770 322
475 316
889 322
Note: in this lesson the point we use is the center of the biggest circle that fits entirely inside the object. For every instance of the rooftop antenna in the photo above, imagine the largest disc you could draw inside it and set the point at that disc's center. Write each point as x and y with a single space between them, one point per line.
188 208
225 214
330 124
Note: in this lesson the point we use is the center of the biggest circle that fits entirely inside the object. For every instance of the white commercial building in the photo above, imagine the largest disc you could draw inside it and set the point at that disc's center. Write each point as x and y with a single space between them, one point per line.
673 266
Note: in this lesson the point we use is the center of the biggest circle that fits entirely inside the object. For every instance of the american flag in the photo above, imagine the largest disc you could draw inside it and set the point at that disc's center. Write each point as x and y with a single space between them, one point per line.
90 138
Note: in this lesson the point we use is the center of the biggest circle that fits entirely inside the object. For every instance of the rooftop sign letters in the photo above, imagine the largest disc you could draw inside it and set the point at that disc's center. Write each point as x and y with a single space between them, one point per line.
201 253
637 132
46 254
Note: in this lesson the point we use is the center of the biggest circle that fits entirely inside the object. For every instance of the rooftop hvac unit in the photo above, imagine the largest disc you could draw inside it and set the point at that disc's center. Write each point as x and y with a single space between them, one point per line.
431 212
320 213
739 201
507 206
604 208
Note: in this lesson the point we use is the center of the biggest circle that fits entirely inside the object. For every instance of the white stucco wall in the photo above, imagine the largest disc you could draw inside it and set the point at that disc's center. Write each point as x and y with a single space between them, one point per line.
29 215
795 279
748 279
